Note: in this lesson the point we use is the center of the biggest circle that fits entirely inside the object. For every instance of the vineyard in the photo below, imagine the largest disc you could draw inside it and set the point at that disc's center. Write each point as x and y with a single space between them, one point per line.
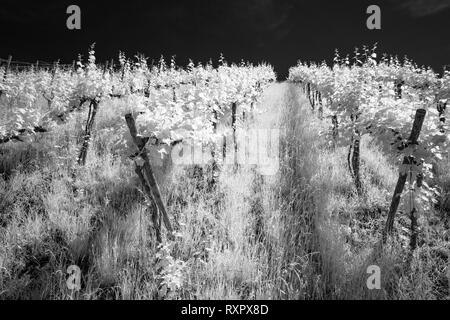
89 178
395 103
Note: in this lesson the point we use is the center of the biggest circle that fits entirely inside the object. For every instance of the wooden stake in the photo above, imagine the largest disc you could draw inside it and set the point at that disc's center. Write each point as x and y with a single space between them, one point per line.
155 218
93 107
8 64
233 126
415 132
73 68
140 142
105 68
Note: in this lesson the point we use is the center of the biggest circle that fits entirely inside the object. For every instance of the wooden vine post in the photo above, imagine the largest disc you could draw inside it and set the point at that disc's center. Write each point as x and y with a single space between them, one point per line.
147 178
93 108
233 126
441 107
52 94
319 100
398 88
413 216
309 94
335 123
356 163
8 64
73 68
105 68
407 160
214 166
353 158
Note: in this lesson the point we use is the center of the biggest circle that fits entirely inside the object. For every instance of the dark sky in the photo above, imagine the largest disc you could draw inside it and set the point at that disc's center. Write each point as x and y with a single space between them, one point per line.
276 31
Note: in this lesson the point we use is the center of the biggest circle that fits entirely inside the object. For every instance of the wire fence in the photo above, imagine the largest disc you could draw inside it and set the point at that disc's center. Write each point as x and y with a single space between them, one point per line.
16 65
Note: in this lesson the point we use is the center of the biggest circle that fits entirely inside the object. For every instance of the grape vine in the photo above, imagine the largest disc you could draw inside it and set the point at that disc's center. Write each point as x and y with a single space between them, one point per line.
365 95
